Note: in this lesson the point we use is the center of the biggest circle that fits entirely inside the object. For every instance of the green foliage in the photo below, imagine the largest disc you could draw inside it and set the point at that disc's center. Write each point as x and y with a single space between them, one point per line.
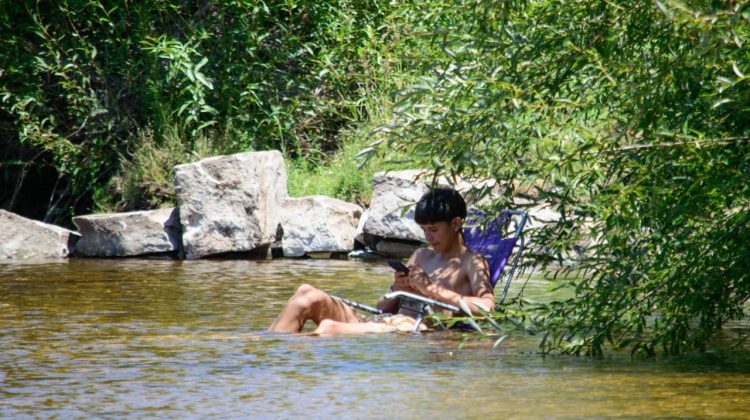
55 96
81 79
342 174
632 122
340 177
145 181
184 77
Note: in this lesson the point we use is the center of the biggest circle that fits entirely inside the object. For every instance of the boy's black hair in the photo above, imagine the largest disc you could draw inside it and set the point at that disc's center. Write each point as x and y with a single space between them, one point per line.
440 204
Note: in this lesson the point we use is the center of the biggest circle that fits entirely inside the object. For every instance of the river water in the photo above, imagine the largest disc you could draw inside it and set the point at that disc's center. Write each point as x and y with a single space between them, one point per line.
186 339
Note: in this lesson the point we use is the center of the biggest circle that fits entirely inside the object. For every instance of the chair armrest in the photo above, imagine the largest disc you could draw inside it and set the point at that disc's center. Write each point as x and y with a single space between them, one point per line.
421 299
357 305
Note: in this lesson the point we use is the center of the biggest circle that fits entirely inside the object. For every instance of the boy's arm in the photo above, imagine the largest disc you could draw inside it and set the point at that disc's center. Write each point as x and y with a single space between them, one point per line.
391 306
479 279
400 283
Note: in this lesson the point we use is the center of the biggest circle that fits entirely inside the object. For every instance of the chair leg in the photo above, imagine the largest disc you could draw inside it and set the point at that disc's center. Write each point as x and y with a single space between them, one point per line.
420 318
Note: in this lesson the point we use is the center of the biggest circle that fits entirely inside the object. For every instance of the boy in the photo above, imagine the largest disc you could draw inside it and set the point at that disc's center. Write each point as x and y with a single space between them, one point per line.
446 271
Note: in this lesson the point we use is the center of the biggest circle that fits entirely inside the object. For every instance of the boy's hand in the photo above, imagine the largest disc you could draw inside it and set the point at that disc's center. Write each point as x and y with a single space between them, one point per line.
401 283
419 280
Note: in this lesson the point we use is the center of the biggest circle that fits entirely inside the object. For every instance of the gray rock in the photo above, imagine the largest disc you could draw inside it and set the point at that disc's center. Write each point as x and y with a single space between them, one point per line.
391 212
30 239
394 194
396 249
230 204
540 215
318 224
363 254
129 234
359 232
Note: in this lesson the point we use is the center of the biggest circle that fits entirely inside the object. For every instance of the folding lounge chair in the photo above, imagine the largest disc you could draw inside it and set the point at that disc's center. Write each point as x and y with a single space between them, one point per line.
495 240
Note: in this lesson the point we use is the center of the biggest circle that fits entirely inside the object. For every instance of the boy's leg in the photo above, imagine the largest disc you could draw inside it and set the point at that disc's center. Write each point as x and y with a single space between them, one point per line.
331 327
311 303
389 323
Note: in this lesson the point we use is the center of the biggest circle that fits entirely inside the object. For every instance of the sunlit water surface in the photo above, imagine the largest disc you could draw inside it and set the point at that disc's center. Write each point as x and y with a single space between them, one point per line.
158 338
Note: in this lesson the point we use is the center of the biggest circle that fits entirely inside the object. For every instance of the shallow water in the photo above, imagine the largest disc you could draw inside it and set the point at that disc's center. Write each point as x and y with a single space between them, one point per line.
160 338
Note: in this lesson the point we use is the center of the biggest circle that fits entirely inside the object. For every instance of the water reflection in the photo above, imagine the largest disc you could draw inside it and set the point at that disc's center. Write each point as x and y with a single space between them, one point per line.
159 338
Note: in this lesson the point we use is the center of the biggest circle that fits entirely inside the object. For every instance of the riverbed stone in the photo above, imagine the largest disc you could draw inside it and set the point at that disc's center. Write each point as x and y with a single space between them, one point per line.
542 213
129 234
395 249
318 224
29 239
359 231
230 204
394 194
391 212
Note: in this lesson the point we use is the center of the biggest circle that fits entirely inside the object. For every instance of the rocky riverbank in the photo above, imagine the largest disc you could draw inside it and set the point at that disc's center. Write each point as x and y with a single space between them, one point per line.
236 206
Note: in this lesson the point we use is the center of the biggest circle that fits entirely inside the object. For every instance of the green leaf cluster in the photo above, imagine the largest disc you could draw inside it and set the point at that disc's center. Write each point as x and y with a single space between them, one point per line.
88 88
632 122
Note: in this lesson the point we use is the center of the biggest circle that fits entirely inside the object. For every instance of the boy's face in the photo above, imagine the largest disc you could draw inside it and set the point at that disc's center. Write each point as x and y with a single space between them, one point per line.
442 235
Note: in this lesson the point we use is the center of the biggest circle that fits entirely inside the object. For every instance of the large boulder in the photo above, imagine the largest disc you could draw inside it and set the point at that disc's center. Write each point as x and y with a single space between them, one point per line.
395 249
541 215
391 212
394 194
129 234
230 204
29 239
318 224
359 232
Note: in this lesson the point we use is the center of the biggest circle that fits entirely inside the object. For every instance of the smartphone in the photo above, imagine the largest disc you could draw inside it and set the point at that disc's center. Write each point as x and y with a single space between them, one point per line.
398 266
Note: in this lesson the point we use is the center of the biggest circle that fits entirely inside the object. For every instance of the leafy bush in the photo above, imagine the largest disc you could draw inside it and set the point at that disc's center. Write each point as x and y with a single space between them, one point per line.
632 122
82 78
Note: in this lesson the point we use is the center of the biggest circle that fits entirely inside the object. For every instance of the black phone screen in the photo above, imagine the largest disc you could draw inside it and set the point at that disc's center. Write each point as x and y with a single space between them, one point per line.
398 266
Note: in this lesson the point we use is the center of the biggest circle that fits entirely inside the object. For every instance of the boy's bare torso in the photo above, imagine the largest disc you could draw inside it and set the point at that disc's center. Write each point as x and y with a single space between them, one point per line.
450 273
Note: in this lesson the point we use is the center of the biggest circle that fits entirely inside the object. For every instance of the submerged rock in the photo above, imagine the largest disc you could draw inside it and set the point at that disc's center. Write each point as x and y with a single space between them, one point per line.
318 224
129 234
230 204
30 239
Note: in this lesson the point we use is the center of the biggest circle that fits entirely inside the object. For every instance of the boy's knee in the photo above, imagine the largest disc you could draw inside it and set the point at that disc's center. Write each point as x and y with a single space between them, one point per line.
327 326
305 289
307 296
